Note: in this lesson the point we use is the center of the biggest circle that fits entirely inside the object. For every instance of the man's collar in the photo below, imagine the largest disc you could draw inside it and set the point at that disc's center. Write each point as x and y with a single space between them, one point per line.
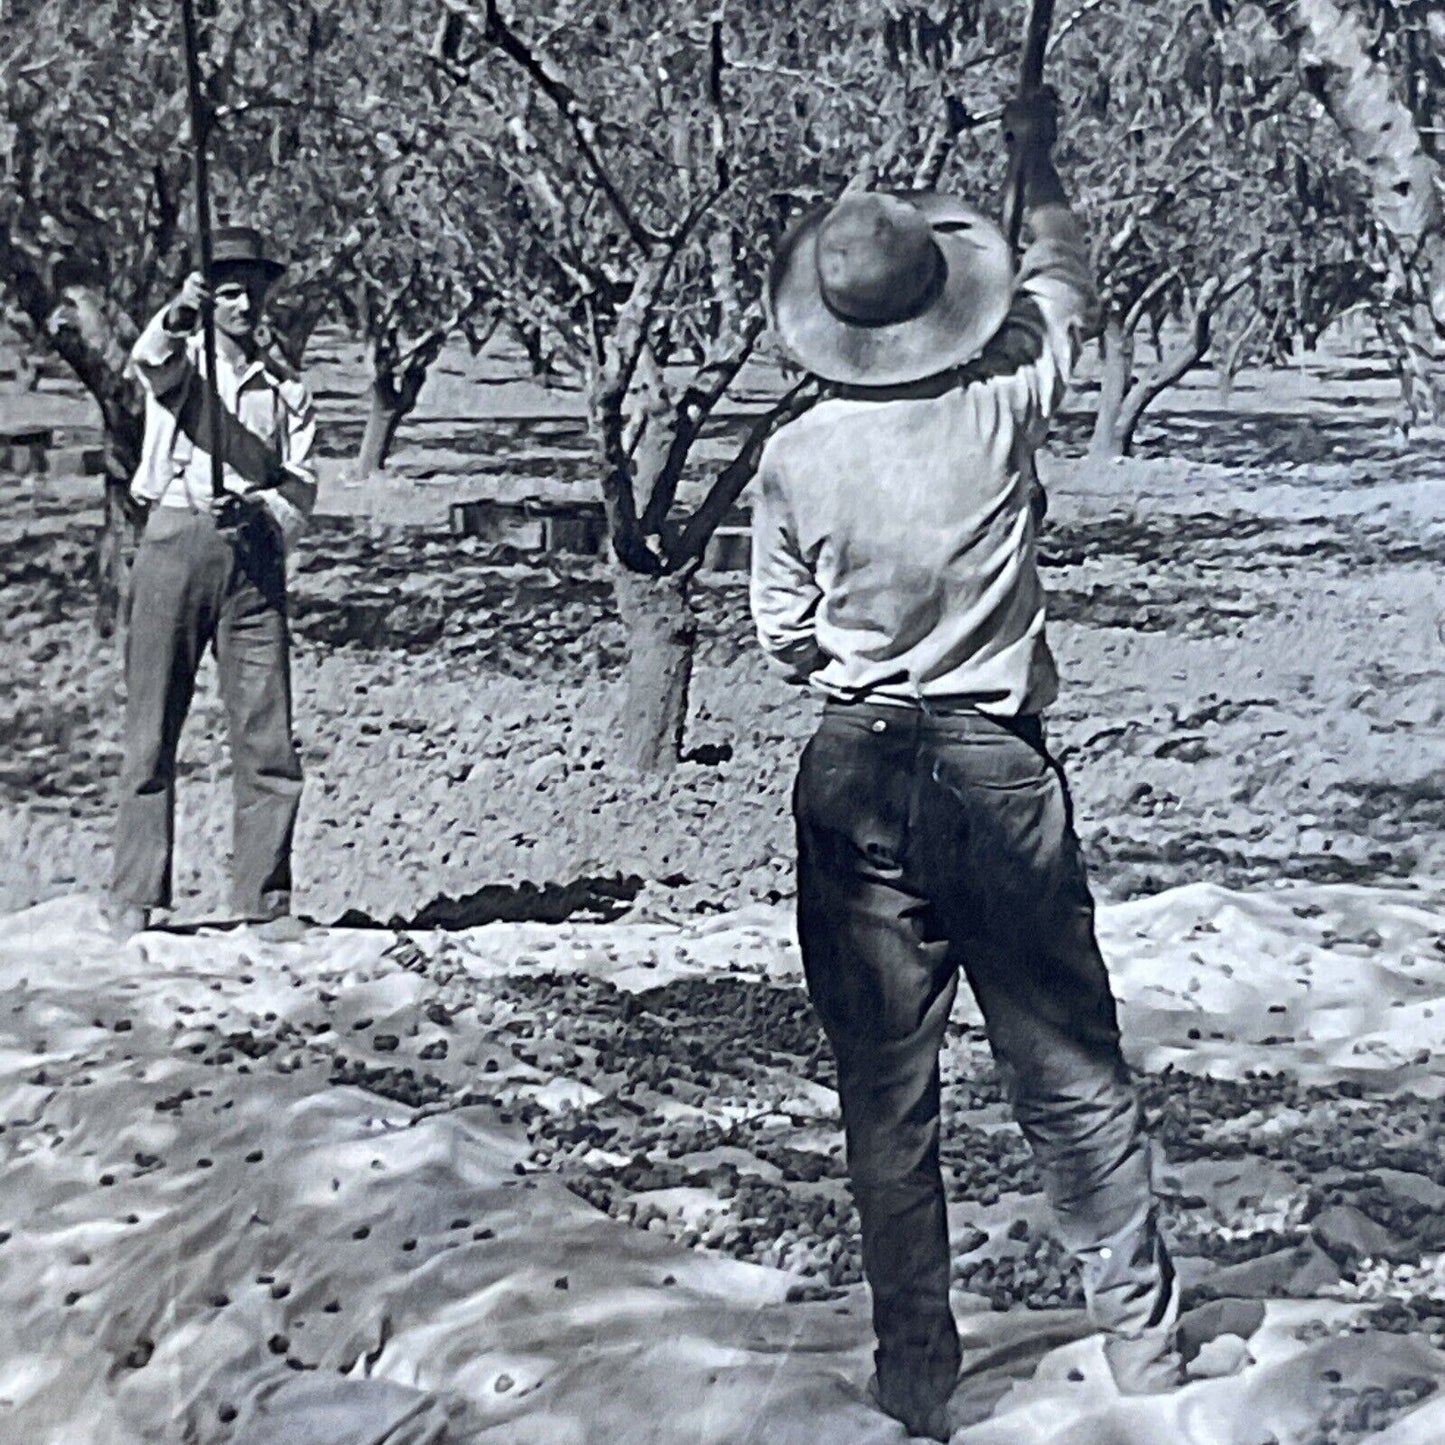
928 386
248 371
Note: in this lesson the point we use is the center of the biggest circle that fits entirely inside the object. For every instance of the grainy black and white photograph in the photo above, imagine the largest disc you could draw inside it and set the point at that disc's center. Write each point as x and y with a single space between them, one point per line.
722 722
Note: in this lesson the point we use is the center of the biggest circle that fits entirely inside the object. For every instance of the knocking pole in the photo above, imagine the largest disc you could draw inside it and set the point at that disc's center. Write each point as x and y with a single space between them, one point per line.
200 130
1031 77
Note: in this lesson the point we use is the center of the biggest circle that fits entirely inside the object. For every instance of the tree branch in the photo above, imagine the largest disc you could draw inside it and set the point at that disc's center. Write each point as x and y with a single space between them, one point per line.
1135 313
618 357
956 119
1235 350
1189 353
733 479
93 342
721 144
496 32
1067 24
479 298
708 387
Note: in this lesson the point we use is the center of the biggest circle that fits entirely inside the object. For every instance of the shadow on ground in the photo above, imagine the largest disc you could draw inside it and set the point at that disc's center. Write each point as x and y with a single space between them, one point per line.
584 900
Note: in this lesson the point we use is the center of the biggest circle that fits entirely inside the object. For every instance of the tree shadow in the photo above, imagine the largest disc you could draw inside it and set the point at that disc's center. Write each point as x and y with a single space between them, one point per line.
709 755
1341 429
585 900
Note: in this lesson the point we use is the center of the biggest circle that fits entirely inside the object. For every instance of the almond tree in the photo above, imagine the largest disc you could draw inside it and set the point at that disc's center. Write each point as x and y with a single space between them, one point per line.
650 155
89 211
1227 217
366 168
1213 195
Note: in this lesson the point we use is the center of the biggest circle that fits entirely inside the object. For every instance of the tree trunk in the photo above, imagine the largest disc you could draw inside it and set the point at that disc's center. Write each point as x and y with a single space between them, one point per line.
1331 47
94 340
383 416
395 387
1175 364
114 552
27 368
1231 362
1123 402
661 632
1116 349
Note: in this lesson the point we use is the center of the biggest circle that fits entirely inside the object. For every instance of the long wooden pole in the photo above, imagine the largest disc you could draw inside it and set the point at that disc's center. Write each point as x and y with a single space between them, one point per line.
1031 77
200 132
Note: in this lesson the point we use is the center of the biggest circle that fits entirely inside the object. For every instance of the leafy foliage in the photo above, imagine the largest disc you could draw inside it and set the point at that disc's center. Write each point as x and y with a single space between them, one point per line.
328 130
651 156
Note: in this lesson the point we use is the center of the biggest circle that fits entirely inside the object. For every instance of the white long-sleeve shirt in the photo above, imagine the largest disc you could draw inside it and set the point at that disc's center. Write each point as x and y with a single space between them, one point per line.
268 417
893 541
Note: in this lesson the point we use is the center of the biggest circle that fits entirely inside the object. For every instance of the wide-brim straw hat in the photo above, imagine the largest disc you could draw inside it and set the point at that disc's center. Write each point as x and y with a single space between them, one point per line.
883 288
242 248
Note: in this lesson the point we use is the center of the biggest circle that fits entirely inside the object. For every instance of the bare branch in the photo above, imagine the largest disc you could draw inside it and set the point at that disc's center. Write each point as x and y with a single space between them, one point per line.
1190 351
733 479
708 387
1123 235
443 329
1152 291
720 137
1069 21
617 358
785 72
495 31
1229 363
956 119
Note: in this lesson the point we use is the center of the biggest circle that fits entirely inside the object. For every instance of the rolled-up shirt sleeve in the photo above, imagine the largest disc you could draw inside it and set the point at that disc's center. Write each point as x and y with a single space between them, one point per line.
1055 309
160 358
292 501
783 592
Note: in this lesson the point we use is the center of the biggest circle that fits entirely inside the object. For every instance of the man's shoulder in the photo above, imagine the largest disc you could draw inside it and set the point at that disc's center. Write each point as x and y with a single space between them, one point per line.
784 454
802 432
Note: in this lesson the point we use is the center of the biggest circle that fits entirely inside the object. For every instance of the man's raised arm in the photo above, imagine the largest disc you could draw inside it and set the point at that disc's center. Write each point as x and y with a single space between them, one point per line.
1056 306
159 355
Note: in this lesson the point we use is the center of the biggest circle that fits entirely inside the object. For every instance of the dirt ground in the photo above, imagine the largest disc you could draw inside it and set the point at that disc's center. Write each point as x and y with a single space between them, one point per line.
575 1174
1247 619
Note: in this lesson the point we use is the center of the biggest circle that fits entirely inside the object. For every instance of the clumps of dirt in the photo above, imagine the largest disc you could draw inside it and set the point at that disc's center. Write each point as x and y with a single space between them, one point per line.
693 1108
1356 1414
1420 1314
400 1084
687 1032
1041 1277
1224 714
412 591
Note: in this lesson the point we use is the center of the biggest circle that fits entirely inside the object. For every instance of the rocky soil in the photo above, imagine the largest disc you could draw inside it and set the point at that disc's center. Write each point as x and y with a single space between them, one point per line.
1251 690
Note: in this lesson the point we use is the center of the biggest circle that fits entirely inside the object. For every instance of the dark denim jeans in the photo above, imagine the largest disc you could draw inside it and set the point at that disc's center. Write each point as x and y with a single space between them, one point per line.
930 844
195 587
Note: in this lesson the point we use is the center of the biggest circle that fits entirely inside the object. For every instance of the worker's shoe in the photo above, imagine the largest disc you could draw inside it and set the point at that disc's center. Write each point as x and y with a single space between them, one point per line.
278 928
123 920
927 1420
1144 1364
1206 1343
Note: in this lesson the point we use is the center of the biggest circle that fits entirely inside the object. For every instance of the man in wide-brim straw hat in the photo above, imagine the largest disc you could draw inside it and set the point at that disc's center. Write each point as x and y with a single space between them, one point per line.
894 567
210 573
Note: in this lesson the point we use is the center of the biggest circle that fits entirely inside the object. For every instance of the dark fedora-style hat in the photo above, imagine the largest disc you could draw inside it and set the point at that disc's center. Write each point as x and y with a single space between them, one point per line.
241 248
884 288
